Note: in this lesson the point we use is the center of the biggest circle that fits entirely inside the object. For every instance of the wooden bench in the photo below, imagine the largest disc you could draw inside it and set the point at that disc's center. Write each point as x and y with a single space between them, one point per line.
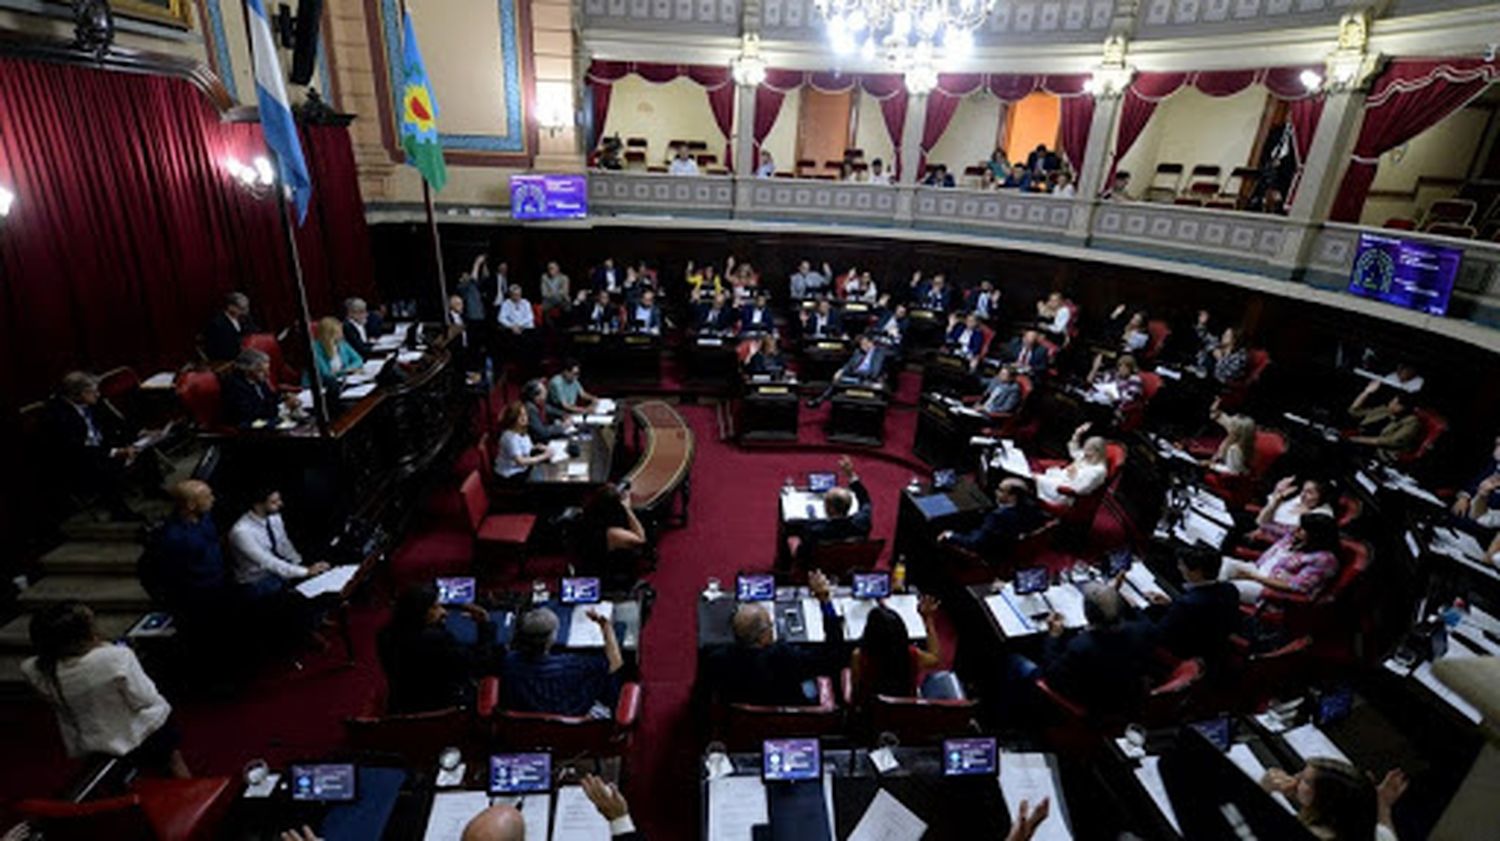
661 481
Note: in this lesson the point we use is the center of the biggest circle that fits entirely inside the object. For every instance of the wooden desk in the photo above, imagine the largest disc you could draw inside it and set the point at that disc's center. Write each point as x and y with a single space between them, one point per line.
858 415
769 411
661 481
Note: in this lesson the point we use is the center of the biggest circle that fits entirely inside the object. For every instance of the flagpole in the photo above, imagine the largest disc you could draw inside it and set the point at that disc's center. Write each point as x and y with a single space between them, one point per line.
432 228
319 397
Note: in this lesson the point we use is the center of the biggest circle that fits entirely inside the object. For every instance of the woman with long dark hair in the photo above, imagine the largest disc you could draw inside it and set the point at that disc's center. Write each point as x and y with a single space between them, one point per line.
105 702
886 662
426 666
1336 801
612 538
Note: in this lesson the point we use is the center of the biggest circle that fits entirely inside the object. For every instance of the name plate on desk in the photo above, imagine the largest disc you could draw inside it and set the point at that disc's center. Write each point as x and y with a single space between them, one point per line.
925 315
862 393
856 307
637 340
829 346
710 342
954 362
587 338
772 390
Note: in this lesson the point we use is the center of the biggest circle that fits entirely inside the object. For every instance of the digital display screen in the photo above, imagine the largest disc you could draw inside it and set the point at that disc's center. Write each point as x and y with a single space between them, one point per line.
580 590
549 196
1119 562
1218 731
944 479
969 757
323 783
872 585
520 773
455 590
791 759
1334 706
1031 580
822 482
755 588
1408 274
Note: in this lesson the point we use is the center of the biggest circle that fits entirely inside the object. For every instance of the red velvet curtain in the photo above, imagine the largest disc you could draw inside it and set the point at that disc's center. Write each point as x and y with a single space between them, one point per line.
1076 115
716 82
127 232
1409 98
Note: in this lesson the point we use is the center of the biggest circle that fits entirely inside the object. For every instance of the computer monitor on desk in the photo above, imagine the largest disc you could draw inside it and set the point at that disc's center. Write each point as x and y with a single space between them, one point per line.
821 482
520 773
790 760
755 588
872 585
326 782
1031 580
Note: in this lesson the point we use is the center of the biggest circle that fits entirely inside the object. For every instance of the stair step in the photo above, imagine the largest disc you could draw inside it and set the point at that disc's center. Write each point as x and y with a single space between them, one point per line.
100 592
15 635
10 672
92 556
85 527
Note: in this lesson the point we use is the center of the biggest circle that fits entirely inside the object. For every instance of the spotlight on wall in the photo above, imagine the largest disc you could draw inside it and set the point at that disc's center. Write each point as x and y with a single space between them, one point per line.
257 176
1311 80
7 200
554 106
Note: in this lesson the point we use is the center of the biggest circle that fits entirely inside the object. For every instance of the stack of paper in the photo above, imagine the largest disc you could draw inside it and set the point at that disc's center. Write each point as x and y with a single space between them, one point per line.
735 806
332 581
888 819
451 812
160 380
856 611
557 451
356 392
577 819
1028 777
605 406
584 632
1013 622
1309 742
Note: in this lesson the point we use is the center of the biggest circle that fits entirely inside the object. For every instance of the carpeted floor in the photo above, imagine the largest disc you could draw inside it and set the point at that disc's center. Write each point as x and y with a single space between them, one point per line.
297 714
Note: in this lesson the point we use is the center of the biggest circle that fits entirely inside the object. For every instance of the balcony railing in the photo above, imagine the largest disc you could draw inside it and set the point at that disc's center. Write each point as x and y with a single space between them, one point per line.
1318 256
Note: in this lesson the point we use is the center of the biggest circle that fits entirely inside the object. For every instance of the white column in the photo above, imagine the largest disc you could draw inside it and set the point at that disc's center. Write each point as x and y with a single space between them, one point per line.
1328 156
744 131
911 137
1101 145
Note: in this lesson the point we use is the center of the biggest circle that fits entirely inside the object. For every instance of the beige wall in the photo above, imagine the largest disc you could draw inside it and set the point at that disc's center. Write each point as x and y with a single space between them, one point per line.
970 137
1443 151
677 110
870 133
1190 127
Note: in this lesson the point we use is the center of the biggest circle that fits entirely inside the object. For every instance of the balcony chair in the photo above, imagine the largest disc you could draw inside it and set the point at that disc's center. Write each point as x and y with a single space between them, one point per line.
202 398
1449 211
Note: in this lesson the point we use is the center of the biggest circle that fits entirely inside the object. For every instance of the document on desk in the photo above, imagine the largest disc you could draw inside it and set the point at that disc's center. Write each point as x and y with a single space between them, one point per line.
1142 581
1013 622
799 506
1149 775
1028 777
856 611
557 451
577 819
332 581
356 392
1013 460
1309 742
161 380
605 406
1196 528
888 819
1068 600
583 632
152 437
598 420
452 811
735 806
1246 760
812 620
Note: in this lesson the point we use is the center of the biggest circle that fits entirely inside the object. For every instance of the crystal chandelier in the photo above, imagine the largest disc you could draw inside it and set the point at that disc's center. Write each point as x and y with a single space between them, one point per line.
906 34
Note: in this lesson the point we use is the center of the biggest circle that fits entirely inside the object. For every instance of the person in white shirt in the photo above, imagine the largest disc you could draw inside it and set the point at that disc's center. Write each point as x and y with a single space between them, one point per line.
683 164
516 314
1054 313
1064 188
878 173
1082 476
517 452
105 701
767 168
264 557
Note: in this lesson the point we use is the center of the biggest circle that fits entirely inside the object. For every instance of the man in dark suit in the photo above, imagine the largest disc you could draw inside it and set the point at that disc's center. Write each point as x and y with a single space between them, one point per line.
715 317
1104 667
1200 620
643 316
848 513
935 295
756 317
543 423
759 669
604 277
602 315
822 322
1014 515
91 444
356 331
890 327
965 337
228 329
1026 354
248 395
865 365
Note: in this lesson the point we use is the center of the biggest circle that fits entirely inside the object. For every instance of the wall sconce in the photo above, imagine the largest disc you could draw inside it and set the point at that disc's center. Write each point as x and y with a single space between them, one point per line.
1351 66
257 177
554 106
1311 80
7 200
748 68
921 78
1112 76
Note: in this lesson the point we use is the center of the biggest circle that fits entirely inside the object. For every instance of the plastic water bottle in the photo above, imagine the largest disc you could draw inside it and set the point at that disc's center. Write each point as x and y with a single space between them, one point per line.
898 576
1454 613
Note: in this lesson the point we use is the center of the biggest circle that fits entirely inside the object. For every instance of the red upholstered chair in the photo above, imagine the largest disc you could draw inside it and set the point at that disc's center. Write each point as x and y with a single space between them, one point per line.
282 375
573 735
1329 609
1009 424
419 737
154 810
745 726
989 338
1166 700
202 397
1160 332
1084 508
1400 223
1236 393
1433 427
1239 491
840 557
1134 414
507 531
922 720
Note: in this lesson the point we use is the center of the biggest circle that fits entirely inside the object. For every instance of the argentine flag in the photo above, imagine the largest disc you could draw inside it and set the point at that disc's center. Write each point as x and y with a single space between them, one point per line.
276 112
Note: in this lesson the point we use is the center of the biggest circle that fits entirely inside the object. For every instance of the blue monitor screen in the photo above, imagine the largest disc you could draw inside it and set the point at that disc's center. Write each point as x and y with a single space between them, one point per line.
1031 580
966 757
872 585
580 590
549 196
821 482
1334 706
790 759
1409 274
520 773
1218 731
323 783
455 590
755 588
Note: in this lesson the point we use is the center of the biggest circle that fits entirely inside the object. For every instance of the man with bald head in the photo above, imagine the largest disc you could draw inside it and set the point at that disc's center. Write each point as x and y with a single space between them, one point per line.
1106 666
848 513
1015 514
760 669
184 565
497 823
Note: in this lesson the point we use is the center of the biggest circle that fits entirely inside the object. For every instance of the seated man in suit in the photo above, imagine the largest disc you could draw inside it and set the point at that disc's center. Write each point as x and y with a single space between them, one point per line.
356 330
535 679
1003 395
865 365
890 327
715 318
248 395
604 277
767 360
602 315
1199 621
644 316
1105 667
822 323
1027 354
91 445
848 514
760 669
184 567
756 317
1015 514
984 301
965 338
931 295
543 422
228 328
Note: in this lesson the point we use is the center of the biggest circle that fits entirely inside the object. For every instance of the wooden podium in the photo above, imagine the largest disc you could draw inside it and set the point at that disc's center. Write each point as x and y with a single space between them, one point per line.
858 414
770 411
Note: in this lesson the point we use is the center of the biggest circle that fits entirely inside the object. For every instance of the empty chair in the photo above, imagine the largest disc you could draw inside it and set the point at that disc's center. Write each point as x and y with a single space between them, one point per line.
1188 201
697 145
505 531
1235 183
418 737
922 720
633 142
1450 212
1203 174
635 157
573 735
1449 229
1400 223
745 726
1221 204
1168 176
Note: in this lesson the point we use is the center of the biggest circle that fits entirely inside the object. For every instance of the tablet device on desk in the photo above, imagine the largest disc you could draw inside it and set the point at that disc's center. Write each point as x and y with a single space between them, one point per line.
580 591
821 482
1120 561
790 760
872 585
755 588
942 480
1032 580
1218 731
1333 706
970 757
520 773
455 590
331 782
